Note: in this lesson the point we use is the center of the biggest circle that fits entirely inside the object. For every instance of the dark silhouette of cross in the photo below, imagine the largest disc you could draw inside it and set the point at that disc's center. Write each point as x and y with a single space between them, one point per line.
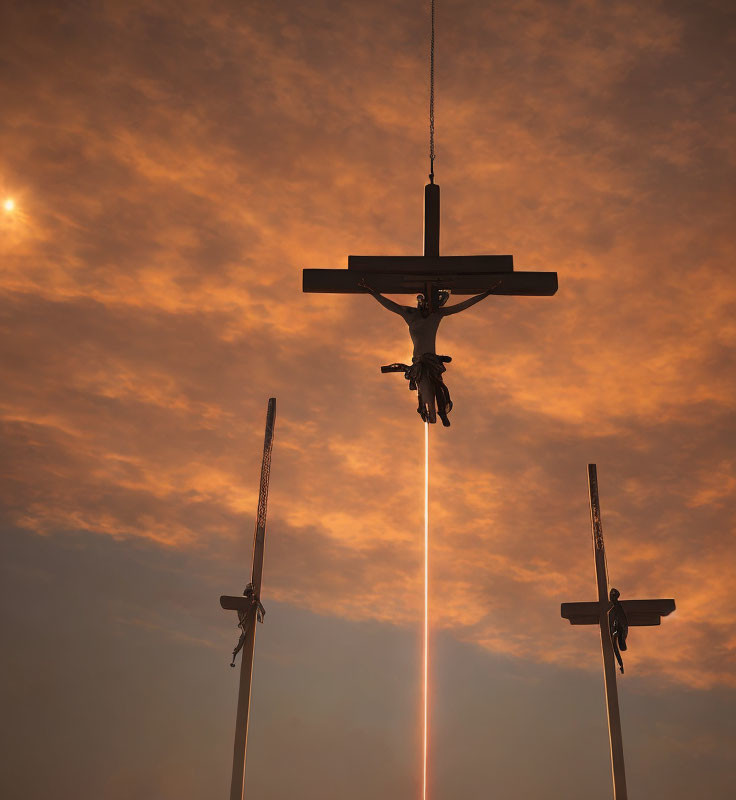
430 273
638 612
247 606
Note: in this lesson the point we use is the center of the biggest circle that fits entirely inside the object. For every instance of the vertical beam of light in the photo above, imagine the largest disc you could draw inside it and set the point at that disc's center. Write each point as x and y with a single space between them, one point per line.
426 599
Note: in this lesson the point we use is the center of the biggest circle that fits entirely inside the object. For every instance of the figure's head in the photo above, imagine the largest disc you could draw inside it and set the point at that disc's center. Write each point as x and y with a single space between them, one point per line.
248 590
614 595
422 304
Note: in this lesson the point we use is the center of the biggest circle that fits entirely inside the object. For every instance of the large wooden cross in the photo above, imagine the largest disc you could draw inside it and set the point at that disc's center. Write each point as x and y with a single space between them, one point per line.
431 272
638 612
246 604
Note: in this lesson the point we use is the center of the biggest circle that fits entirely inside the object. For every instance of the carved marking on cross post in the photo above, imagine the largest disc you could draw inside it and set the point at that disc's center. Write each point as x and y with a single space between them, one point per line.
431 272
638 612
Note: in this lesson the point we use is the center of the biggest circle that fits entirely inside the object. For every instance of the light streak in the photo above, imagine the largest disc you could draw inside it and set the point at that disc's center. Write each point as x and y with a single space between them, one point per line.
426 599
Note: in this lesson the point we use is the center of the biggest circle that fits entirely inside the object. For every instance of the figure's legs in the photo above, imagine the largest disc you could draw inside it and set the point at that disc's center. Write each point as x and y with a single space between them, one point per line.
444 404
238 647
422 410
425 390
614 640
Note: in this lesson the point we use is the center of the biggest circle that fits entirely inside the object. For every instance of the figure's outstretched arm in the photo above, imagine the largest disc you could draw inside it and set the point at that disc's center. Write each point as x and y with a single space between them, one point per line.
458 307
384 301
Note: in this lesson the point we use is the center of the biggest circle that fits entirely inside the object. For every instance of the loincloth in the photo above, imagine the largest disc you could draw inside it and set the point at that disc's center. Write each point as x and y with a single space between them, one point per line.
430 366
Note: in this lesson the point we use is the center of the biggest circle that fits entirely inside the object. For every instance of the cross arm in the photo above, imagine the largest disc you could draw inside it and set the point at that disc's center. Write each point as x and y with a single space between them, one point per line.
235 603
347 281
581 613
647 612
422 264
638 612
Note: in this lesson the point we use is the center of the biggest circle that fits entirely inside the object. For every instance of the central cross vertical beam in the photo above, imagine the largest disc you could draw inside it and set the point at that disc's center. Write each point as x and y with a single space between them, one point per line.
432 220
609 666
431 237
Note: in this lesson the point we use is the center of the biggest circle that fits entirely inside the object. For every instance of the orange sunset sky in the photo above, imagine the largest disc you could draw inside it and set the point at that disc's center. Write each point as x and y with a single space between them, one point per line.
172 167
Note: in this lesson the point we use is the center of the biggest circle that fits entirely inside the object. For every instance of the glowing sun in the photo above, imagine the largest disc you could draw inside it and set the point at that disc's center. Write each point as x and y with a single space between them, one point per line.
9 204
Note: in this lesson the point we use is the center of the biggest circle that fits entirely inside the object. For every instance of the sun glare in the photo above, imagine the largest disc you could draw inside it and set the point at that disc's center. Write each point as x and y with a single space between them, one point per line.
9 204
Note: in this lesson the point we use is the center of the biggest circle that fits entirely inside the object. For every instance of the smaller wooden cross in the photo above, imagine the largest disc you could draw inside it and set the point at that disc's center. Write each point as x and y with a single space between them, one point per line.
248 607
431 272
638 612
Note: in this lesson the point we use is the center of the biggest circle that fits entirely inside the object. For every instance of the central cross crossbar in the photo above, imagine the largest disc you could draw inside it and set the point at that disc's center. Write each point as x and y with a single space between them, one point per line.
413 274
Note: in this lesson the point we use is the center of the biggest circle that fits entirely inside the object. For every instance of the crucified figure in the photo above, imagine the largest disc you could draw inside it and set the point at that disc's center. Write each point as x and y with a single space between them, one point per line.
618 626
425 372
244 617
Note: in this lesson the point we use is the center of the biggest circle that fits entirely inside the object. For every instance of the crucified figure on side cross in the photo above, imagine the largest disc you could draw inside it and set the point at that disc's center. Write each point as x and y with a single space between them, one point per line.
244 616
425 372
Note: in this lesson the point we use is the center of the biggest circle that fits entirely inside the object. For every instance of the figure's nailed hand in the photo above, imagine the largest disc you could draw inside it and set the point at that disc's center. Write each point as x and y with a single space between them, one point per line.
364 284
